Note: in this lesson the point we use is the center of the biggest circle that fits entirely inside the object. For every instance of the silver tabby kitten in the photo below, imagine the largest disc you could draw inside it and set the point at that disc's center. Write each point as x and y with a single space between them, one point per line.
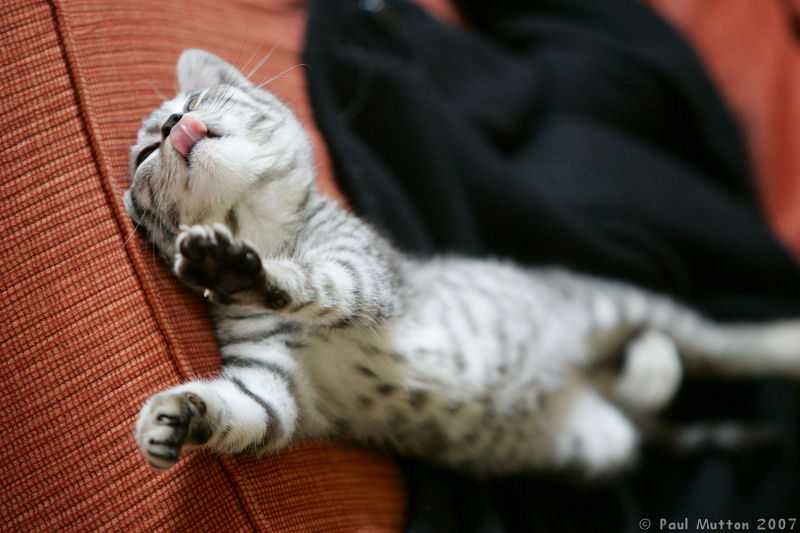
325 330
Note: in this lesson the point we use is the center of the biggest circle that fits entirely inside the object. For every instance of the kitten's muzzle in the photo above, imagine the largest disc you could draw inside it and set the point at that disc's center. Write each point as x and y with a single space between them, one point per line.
166 128
183 131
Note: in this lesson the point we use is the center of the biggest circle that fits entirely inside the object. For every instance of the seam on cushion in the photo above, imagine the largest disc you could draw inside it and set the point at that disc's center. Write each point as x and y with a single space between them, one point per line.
232 480
77 86
99 163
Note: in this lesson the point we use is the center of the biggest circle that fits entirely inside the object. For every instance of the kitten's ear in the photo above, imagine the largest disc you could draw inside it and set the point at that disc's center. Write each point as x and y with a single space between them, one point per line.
198 69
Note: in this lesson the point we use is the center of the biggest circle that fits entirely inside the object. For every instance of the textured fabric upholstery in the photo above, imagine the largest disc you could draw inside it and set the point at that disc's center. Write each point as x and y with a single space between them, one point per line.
93 323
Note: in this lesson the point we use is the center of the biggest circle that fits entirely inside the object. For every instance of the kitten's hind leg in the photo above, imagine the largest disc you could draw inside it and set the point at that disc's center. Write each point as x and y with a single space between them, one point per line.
591 436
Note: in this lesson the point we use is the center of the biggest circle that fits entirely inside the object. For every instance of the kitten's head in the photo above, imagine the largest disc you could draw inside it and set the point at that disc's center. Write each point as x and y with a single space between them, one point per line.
221 151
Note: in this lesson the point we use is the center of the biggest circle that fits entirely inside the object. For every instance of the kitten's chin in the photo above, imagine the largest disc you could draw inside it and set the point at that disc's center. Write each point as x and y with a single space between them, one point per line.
197 154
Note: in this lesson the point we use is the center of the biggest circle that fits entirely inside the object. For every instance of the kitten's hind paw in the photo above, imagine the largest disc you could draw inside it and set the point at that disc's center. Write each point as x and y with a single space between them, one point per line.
229 270
595 439
651 374
166 423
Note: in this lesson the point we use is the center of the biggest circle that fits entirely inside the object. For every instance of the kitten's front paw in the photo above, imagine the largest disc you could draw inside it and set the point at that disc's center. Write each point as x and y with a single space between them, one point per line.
166 423
229 270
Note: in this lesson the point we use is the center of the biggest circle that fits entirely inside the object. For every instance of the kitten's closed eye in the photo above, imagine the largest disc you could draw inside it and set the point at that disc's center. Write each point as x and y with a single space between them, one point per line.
145 153
191 102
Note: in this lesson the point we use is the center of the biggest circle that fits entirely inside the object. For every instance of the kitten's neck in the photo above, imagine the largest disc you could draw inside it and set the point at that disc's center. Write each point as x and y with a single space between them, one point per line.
272 219
274 227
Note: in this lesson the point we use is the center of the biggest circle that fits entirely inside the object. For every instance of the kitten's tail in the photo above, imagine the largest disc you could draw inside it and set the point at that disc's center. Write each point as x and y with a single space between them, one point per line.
746 349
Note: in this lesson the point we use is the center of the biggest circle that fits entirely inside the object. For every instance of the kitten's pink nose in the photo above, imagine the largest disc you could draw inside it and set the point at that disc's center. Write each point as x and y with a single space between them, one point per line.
186 133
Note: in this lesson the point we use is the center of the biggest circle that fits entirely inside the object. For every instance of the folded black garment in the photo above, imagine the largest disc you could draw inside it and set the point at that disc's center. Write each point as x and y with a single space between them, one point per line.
569 132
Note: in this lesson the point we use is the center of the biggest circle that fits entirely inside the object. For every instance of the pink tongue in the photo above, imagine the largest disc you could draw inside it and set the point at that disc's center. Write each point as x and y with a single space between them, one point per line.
186 133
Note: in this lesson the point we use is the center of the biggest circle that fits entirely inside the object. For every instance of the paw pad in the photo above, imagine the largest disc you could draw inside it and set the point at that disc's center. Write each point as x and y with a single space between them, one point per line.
167 423
211 259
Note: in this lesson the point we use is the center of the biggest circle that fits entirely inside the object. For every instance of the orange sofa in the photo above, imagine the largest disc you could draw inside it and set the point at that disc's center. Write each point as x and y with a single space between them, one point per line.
93 323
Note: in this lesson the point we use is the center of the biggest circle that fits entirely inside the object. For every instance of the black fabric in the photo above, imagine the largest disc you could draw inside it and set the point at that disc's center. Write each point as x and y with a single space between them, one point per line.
581 133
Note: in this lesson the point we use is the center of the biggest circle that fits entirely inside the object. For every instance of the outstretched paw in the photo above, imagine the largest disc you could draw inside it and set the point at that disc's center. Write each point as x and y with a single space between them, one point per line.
167 422
229 270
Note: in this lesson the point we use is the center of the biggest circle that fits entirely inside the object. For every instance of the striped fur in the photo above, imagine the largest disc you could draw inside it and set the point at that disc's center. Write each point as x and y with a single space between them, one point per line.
325 330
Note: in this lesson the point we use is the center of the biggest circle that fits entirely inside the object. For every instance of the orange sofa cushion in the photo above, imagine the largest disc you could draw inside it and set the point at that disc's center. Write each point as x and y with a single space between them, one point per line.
93 323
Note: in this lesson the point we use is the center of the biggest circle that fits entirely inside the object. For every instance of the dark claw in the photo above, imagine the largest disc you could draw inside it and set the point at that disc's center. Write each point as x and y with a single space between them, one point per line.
191 248
171 442
197 405
276 298
170 455
251 262
218 249
170 420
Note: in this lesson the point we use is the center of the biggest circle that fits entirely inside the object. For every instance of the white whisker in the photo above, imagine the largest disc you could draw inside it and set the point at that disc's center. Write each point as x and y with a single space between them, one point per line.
263 60
224 99
257 50
132 233
158 93
241 45
282 73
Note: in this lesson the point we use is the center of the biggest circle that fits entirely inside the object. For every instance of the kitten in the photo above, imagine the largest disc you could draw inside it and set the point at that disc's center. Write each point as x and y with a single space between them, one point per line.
325 330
